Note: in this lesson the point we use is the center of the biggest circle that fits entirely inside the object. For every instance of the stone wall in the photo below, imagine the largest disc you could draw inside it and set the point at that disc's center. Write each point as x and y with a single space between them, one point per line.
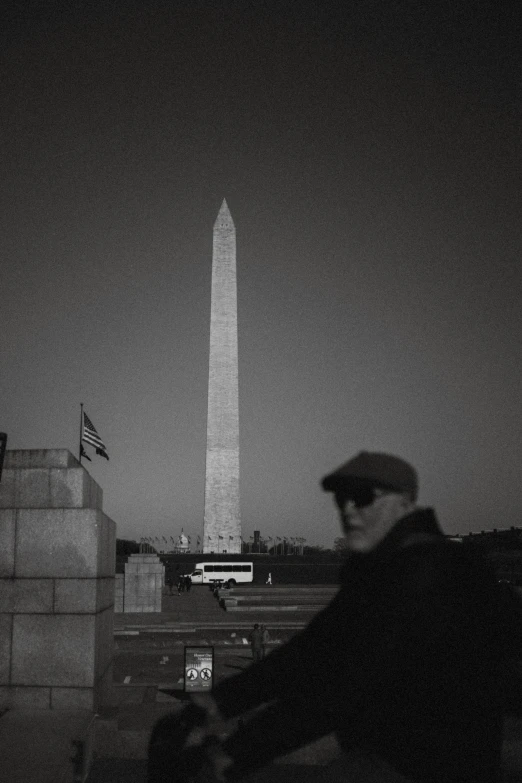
144 580
57 557
119 586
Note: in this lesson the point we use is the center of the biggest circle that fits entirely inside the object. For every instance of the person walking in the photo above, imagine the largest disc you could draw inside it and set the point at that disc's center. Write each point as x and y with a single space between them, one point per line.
188 582
269 578
181 584
404 664
256 642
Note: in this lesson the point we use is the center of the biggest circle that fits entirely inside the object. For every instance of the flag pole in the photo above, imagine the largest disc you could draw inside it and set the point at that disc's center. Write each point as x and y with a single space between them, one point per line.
81 430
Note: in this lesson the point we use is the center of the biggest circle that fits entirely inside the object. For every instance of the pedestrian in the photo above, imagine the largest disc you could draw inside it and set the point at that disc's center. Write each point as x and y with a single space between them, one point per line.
188 583
181 584
265 638
269 579
404 664
170 583
256 642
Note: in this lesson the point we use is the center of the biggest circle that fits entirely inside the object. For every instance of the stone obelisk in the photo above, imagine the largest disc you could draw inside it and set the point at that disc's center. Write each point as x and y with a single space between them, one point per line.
222 525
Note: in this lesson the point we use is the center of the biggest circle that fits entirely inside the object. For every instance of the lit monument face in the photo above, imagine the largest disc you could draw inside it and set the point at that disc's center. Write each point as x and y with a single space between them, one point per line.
222 525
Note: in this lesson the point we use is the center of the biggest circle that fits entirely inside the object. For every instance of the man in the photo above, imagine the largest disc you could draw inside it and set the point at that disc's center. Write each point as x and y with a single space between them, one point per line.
405 663
256 642
265 639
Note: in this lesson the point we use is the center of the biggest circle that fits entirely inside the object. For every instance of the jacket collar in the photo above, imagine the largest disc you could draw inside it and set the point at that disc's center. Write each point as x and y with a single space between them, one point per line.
420 526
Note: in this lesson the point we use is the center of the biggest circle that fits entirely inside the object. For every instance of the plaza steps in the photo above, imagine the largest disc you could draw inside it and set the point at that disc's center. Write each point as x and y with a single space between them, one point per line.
309 599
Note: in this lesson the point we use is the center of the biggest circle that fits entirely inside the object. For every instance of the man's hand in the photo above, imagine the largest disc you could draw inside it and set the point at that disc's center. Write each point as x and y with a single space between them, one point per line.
207 737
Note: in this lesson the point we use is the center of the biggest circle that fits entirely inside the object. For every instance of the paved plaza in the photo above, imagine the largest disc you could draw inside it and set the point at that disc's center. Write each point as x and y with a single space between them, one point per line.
148 679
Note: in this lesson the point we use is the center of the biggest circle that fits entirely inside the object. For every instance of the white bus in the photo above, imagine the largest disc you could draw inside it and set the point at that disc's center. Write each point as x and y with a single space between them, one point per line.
228 573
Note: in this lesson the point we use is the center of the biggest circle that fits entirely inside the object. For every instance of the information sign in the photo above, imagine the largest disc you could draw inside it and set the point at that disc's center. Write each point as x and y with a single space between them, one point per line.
199 668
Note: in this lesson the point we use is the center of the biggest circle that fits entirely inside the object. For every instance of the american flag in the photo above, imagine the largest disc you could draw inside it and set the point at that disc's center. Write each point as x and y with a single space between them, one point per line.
89 435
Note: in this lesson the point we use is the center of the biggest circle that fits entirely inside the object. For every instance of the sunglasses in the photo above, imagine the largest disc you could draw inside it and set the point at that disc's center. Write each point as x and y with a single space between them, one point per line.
360 497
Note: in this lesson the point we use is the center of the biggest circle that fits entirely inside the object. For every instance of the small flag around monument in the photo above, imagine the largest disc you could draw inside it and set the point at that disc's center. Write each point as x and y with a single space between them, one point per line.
90 435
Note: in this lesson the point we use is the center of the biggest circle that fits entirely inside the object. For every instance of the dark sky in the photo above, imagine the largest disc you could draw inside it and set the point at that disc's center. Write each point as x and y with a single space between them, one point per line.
370 158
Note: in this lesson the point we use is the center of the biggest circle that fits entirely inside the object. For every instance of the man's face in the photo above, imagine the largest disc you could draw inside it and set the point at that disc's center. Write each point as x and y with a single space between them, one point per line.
368 515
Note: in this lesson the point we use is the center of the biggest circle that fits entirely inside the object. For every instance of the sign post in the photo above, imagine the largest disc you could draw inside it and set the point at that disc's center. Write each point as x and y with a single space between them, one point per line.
199 668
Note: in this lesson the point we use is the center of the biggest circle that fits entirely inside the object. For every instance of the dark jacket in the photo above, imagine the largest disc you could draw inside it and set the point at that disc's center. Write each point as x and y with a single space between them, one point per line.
256 639
405 661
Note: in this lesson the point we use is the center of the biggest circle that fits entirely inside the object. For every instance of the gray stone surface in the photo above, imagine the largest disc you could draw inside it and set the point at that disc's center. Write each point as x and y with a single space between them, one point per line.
71 699
63 543
222 520
143 584
49 488
39 458
53 650
26 595
7 541
37 746
56 584
104 628
6 622
83 595
119 586
33 698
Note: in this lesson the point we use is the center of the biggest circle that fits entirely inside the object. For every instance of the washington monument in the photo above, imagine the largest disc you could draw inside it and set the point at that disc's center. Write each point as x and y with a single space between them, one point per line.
222 525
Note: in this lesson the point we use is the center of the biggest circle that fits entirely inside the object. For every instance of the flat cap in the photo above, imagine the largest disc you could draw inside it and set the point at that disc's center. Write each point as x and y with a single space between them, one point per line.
375 469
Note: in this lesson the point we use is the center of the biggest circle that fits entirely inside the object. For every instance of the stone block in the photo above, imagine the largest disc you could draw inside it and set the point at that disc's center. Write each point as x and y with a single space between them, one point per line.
75 596
52 650
74 488
25 698
49 488
7 541
104 641
107 547
103 689
119 587
72 699
60 543
105 595
8 489
39 458
26 595
32 488
6 621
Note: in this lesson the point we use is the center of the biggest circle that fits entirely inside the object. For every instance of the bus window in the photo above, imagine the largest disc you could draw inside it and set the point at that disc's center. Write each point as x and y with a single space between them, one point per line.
209 568
246 568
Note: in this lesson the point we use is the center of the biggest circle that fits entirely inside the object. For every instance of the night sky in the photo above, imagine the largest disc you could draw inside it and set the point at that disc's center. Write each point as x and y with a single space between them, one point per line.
371 160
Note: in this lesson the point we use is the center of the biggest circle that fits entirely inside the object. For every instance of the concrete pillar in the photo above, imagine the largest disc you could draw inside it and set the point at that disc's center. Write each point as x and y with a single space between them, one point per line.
57 560
144 580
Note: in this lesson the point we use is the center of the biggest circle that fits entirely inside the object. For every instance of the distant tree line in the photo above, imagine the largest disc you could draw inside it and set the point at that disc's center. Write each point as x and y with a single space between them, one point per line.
126 547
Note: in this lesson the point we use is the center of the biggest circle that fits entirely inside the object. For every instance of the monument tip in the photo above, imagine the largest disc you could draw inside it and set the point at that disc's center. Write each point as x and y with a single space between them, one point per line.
224 217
